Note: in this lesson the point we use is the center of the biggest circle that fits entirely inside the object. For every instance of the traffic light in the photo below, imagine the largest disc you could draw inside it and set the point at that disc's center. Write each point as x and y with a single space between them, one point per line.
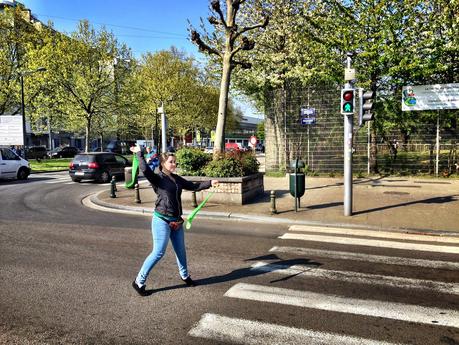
366 100
347 101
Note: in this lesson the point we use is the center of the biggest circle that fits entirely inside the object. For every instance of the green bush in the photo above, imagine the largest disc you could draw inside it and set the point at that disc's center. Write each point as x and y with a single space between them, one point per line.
192 161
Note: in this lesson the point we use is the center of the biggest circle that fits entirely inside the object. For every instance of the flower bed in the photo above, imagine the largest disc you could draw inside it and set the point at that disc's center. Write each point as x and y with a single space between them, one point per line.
231 191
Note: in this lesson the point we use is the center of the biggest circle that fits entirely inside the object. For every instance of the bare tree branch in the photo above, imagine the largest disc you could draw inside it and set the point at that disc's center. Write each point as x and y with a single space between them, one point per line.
248 28
215 5
196 38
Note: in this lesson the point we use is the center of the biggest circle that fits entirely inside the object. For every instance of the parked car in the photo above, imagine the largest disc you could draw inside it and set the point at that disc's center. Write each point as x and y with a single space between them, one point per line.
36 152
232 146
12 165
119 146
63 152
209 149
99 166
260 148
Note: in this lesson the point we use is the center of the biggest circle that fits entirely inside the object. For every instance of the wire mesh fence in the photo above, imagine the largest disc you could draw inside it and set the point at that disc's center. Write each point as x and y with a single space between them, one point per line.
321 144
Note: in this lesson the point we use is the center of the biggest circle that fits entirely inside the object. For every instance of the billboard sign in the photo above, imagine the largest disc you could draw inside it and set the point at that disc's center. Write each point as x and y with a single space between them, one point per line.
430 97
11 130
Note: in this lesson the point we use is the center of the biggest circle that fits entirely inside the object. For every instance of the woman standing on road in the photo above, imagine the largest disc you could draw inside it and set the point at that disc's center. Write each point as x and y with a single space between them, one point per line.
167 219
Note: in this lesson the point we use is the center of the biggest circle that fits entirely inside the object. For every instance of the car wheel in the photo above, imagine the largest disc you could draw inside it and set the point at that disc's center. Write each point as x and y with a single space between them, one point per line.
23 174
76 179
104 177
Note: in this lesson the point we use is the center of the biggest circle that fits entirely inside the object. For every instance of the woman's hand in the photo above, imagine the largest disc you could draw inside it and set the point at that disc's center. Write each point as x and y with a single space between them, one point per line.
214 183
135 149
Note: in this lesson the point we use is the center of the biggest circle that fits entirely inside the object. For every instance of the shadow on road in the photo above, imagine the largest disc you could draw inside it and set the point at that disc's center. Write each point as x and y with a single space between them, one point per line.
245 272
436 200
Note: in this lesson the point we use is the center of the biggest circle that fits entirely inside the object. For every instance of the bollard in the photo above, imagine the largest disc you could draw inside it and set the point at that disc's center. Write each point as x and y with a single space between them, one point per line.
113 187
137 193
193 199
273 202
114 182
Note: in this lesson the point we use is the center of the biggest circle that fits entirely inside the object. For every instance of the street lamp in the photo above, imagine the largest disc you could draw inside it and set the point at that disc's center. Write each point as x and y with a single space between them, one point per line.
22 74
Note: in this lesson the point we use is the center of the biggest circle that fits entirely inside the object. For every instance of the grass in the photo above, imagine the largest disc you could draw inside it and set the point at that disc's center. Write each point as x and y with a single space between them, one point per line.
50 164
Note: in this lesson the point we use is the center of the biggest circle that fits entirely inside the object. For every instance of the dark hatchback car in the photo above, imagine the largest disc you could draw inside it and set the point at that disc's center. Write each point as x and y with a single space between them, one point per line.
64 152
99 166
36 152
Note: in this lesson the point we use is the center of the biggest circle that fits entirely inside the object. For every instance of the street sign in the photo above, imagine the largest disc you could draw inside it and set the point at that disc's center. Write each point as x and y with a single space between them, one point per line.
308 116
430 97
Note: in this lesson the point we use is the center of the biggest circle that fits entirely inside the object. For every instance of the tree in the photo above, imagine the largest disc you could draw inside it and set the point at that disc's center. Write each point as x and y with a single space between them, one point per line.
81 76
17 38
227 40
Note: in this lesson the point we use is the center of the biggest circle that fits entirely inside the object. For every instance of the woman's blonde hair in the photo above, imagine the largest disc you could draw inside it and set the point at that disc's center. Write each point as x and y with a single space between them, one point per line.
163 157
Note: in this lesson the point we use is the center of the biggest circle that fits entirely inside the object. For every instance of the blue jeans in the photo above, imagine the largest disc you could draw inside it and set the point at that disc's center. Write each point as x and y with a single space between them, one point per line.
161 234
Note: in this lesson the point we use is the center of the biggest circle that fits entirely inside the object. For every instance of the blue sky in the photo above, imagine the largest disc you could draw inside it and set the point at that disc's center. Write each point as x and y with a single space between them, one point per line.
144 25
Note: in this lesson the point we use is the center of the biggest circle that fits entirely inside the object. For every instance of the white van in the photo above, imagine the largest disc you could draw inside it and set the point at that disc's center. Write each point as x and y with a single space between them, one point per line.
13 166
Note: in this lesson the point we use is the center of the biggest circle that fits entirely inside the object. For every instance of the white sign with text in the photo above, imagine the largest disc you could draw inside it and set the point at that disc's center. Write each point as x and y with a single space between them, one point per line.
430 97
11 130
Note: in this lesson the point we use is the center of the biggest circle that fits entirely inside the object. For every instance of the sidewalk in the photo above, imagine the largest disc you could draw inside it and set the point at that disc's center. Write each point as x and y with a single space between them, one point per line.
403 204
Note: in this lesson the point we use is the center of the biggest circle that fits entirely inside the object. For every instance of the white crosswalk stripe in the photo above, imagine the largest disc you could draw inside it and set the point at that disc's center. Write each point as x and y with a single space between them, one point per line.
225 329
381 259
375 234
359 278
372 243
313 300
220 328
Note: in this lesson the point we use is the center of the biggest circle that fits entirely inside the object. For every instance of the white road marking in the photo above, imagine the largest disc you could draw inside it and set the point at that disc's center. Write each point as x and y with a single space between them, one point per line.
240 331
333 303
380 259
359 278
374 233
372 243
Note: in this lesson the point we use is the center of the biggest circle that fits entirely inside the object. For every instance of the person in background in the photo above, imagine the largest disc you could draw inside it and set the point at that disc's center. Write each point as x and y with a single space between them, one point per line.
167 222
151 157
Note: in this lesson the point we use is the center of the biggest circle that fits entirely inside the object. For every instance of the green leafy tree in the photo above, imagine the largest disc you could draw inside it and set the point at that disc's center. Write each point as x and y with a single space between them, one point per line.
81 76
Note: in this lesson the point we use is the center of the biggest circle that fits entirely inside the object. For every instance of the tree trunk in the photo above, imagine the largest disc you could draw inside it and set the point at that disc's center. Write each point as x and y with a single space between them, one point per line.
222 106
88 130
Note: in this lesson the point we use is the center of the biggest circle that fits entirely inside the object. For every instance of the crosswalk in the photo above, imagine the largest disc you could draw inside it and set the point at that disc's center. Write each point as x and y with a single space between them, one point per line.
220 328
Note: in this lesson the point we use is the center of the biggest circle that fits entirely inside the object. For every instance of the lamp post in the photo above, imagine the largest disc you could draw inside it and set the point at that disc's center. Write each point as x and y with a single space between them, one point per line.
21 78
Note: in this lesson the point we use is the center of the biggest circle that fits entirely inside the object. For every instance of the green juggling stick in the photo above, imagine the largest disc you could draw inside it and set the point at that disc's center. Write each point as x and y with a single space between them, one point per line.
135 169
190 218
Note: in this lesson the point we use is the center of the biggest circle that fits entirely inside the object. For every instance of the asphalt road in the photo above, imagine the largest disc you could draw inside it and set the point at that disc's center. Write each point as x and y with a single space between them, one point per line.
66 273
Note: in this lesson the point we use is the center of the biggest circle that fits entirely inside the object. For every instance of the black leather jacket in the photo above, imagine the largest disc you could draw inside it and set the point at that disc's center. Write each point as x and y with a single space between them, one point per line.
169 189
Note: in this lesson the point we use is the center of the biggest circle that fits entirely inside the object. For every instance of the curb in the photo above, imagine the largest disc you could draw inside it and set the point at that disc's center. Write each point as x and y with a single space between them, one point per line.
93 201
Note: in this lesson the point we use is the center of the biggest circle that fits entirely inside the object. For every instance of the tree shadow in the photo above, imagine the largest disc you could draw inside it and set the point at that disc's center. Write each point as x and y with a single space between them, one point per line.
435 200
245 272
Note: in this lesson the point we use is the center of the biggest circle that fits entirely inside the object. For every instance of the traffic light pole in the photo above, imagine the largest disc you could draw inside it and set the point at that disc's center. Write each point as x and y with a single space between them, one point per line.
348 130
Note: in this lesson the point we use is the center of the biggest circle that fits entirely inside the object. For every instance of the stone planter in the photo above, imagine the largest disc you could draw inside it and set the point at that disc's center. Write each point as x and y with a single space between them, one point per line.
231 191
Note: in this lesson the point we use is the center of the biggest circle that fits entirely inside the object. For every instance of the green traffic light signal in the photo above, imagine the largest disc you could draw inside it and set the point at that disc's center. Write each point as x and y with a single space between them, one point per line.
347 101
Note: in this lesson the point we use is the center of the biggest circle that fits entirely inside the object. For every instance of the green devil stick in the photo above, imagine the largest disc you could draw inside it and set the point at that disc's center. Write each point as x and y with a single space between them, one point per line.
190 218
135 169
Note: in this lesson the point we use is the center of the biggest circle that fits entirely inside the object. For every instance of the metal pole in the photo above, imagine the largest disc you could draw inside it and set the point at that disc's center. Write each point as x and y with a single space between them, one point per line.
348 129
24 135
163 130
368 146
308 146
437 143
